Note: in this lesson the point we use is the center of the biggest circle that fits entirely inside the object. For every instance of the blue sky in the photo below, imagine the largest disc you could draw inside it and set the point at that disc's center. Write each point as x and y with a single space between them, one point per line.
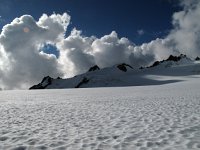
136 32
100 17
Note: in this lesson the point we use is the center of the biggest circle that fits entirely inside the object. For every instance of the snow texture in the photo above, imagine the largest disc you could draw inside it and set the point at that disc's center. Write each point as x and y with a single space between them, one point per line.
159 117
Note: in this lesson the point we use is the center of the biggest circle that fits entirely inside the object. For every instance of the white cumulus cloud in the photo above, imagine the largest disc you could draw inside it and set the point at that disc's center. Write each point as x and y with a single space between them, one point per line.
22 63
186 32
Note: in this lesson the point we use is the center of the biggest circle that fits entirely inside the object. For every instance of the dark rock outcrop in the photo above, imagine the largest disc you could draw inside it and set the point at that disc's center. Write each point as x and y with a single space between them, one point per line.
83 81
175 58
123 67
156 63
38 86
46 81
197 58
170 58
141 68
94 68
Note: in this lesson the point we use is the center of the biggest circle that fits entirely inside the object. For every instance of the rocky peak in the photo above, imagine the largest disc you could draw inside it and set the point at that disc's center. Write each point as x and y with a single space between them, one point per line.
197 58
170 58
94 68
44 83
123 67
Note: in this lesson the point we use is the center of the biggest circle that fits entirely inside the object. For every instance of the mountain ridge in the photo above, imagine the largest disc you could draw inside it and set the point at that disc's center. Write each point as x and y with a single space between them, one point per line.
125 75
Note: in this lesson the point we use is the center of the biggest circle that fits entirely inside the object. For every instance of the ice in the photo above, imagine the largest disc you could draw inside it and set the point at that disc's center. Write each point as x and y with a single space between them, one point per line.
155 117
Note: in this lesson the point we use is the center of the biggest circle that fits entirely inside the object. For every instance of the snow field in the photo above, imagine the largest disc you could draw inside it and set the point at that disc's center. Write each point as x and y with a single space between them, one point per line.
160 117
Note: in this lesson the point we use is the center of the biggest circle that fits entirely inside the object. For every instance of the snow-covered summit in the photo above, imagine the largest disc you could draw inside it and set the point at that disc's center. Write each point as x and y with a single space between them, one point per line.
125 75
172 60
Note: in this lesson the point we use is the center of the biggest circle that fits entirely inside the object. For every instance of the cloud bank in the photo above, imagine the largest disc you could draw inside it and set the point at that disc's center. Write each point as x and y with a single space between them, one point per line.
22 63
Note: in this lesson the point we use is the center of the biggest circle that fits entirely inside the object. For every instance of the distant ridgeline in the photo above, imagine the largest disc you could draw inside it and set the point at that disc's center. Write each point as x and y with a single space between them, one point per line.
171 58
46 81
112 76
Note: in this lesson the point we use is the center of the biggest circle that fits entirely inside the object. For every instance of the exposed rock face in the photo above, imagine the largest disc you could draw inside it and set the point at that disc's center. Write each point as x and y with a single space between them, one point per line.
94 68
38 86
123 67
197 58
170 58
124 75
141 68
47 79
83 81
45 82
156 63
175 58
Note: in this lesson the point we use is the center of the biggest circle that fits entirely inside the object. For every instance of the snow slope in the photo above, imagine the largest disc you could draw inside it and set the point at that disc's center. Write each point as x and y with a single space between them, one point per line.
154 117
114 77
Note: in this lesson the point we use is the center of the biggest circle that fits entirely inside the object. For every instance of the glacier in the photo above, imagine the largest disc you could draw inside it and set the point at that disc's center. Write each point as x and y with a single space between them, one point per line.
161 116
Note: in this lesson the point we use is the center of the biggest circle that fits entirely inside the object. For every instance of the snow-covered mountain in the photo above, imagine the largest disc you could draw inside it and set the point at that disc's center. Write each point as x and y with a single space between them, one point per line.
156 116
126 75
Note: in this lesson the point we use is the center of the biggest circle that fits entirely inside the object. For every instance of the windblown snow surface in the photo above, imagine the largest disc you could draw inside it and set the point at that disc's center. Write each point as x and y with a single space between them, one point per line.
155 117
